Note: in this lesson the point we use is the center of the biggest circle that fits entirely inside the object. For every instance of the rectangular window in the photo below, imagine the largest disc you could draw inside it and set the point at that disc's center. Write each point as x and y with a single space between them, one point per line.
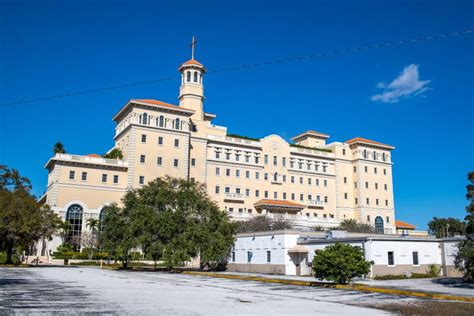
257 193
142 158
385 187
391 259
116 178
368 218
247 158
104 177
376 201
72 174
388 219
227 190
233 256
218 171
257 175
227 156
237 157
292 179
325 183
309 181
375 170
84 176
301 197
284 178
256 160
386 202
275 195
141 180
345 179
355 185
266 194
237 173
265 159
247 174
355 169
143 138
218 155
415 258
356 201
275 160
160 140
269 256
301 180
317 182
217 189
176 143
384 172
175 163
265 176
366 185
367 201
343 151
376 186
293 196
159 161
193 162
237 190
284 195
345 196
249 256
366 169
283 161
326 199
227 172
247 192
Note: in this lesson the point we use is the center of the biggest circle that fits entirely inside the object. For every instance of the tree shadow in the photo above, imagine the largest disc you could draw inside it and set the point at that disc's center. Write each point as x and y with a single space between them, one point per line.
454 283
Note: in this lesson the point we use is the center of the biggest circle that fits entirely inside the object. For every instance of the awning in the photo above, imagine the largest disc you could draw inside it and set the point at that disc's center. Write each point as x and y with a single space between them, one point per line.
298 249
279 205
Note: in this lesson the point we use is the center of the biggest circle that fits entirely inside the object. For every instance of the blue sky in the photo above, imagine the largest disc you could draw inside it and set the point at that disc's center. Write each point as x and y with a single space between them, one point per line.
52 48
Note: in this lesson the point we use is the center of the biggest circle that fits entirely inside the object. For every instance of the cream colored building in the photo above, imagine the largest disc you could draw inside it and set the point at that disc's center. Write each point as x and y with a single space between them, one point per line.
309 180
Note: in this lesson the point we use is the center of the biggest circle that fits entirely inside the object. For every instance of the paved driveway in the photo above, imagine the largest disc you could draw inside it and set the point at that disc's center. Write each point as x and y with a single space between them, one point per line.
91 290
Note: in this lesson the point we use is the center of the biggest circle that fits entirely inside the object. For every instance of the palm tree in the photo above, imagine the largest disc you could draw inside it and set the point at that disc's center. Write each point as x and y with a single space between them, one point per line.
59 148
93 224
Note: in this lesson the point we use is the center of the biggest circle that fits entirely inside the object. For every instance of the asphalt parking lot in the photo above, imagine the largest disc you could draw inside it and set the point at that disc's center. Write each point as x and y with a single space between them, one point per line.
91 290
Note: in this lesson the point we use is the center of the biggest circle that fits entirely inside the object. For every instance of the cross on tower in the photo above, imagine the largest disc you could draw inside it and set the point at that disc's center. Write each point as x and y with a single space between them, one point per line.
193 44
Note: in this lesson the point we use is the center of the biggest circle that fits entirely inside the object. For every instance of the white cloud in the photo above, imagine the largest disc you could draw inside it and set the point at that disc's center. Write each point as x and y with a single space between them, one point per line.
407 84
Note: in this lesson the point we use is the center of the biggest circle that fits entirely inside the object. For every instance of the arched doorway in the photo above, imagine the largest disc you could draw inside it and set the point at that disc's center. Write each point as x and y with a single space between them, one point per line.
74 217
379 229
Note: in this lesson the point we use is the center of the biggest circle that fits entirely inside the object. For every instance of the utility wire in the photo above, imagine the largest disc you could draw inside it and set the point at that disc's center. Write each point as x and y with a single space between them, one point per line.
248 66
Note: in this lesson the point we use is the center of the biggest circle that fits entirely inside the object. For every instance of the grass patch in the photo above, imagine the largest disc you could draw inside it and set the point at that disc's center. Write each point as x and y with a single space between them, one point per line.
430 308
403 277
243 137
312 148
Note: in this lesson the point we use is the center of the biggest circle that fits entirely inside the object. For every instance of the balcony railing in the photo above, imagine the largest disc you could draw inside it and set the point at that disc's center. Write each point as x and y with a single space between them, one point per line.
315 203
91 159
233 196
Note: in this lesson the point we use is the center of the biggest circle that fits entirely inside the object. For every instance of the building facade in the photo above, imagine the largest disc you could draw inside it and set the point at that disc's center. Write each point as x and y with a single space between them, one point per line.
291 252
309 180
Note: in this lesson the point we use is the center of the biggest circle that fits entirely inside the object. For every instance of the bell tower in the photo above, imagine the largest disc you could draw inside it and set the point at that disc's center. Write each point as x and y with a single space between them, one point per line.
191 91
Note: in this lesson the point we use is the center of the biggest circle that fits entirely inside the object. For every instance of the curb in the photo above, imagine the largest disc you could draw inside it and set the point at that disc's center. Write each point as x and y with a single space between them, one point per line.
354 287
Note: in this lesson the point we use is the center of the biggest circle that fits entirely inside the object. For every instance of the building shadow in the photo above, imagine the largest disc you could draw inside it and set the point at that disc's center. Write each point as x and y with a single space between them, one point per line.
453 283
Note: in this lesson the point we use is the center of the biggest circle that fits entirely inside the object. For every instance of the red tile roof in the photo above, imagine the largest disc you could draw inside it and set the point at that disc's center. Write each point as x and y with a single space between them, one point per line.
192 61
367 141
94 155
277 203
400 224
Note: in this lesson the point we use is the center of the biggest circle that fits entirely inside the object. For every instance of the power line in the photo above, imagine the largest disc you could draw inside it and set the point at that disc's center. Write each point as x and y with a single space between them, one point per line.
248 66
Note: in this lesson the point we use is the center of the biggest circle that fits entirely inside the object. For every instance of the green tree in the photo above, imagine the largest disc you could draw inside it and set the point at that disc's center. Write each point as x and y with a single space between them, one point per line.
114 154
23 221
93 225
351 225
340 263
169 219
262 223
465 256
59 148
446 227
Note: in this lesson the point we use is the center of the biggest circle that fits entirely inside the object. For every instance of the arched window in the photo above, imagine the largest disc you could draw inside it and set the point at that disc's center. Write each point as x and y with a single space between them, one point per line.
161 121
74 218
177 124
101 219
195 76
188 76
379 225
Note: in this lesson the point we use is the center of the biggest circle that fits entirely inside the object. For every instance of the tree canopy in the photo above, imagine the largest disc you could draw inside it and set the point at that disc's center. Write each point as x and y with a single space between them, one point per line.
59 148
262 223
340 263
23 221
465 256
169 219
114 154
351 225
446 227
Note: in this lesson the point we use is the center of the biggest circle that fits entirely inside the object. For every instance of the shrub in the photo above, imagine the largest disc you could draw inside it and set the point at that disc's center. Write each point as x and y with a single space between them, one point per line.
340 263
433 271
